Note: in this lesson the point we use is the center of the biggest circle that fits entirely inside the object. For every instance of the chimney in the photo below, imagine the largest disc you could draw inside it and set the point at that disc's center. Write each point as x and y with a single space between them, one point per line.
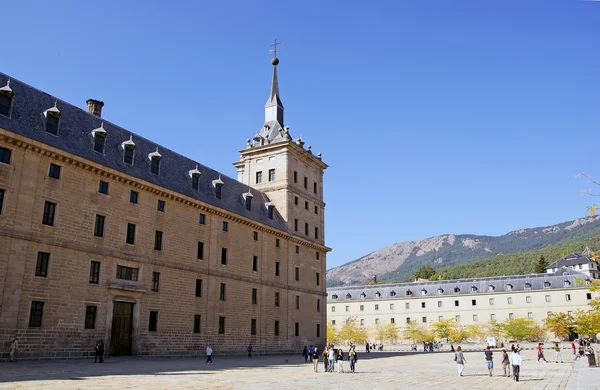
94 107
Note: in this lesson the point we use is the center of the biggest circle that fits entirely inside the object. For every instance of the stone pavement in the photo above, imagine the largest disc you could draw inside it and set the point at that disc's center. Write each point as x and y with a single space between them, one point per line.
378 370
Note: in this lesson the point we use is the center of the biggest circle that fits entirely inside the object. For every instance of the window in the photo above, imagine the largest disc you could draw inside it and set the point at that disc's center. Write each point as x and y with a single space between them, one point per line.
52 122
276 268
202 219
362 321
276 299
528 299
127 273
392 320
318 305
225 226
5 155
297 329
6 98
492 317
362 307
297 249
155 165
528 286
254 294
317 254
218 191
422 305
160 205
221 291
94 272
455 303
475 318
530 315
153 321
158 236
548 313
316 210
254 263
253 326
54 171
306 229
128 155
408 320
295 177
224 256
36 314
90 316
376 307
99 142
48 216
305 182
457 318
197 323
567 297
318 330
1 199
347 307
155 281
41 267
277 243
276 328
103 187
199 288
258 177
248 203
509 300
391 306
473 302
588 295
295 224
133 197
305 205
297 274
424 320
130 239
439 303
99 226
547 298
296 200
546 284
407 305
318 278
315 187
511 315
297 302
200 251
195 181
491 301
316 233
271 174
333 309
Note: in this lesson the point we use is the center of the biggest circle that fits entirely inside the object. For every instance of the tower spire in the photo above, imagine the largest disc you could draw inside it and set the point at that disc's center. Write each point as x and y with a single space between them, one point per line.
274 107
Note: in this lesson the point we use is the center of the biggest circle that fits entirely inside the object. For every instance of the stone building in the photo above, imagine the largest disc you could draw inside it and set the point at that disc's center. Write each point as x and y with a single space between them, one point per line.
583 262
107 235
469 301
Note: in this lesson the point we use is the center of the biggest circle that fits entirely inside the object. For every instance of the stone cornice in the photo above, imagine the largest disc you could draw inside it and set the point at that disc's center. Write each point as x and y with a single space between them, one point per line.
278 145
81 163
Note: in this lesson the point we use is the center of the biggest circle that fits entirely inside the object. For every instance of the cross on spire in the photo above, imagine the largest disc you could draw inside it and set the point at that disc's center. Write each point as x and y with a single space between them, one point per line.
274 50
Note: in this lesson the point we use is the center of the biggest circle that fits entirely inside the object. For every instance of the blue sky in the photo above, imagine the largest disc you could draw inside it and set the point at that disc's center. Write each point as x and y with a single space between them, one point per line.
434 116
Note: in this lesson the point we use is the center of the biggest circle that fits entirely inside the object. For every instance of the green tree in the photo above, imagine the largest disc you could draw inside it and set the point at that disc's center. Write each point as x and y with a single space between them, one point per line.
332 334
587 323
391 332
418 333
380 332
351 332
541 265
521 329
495 329
425 272
445 328
475 332
560 324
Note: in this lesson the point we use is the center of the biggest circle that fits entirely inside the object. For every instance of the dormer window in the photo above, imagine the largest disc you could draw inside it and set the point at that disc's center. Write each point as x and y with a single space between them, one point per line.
270 206
409 293
567 283
6 99
377 294
248 198
392 293
546 283
128 149
527 286
218 184
99 135
440 290
334 296
423 292
155 162
473 288
348 296
363 295
456 289
195 175
509 286
52 116
491 287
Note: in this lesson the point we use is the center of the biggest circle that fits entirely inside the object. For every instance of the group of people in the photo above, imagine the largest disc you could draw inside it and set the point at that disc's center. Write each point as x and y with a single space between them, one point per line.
513 361
373 347
332 357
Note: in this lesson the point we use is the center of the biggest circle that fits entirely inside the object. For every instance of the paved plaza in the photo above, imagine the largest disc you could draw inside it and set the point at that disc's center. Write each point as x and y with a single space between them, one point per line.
378 370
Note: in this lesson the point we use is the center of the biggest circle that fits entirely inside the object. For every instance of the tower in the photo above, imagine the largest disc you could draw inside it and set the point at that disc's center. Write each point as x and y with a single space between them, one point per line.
290 174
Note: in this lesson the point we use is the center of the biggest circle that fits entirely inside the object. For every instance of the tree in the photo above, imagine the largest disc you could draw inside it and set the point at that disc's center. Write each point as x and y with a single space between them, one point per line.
425 272
417 333
561 324
475 332
391 332
458 334
521 329
445 328
541 265
495 329
331 334
380 332
587 323
351 332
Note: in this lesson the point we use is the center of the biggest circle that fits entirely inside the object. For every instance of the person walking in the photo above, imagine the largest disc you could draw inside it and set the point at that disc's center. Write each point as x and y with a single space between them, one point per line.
340 360
14 345
249 350
331 358
209 352
326 358
489 355
99 352
315 359
367 347
352 358
573 349
505 363
558 355
311 351
305 354
540 352
460 360
516 360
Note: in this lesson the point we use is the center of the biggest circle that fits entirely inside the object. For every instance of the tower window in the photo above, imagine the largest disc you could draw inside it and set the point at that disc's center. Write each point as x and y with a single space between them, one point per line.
133 197
127 273
222 291
296 224
152 323
297 249
276 268
258 177
160 205
305 205
90 316
276 299
5 155
130 239
202 219
54 171
253 326
49 211
254 263
276 329
221 325
200 252
158 237
254 296
295 177
225 226
305 182
315 187
36 314
155 281
316 210
99 226
41 267
297 274
94 272
103 187
316 233
295 200
306 229
197 323
224 256
198 287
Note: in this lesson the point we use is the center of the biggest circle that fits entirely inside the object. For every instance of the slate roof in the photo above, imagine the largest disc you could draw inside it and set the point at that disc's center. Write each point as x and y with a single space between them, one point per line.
75 137
563 278
572 259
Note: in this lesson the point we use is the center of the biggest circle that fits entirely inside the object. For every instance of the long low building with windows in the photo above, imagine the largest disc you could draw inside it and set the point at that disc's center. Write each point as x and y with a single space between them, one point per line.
469 301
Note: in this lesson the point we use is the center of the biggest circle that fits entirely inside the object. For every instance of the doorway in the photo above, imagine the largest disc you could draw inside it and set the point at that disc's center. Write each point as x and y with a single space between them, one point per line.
122 326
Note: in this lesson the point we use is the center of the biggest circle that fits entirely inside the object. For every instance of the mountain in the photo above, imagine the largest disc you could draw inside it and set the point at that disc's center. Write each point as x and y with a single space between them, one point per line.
399 261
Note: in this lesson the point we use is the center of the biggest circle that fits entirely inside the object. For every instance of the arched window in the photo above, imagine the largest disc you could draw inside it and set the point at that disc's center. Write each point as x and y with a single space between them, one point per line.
456 289
409 293
334 296
423 292
473 288
348 296
440 290
377 294
392 293
528 286
509 286
491 287
363 295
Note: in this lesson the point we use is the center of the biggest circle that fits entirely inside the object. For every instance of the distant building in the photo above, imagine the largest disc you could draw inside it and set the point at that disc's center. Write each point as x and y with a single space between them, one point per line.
583 262
106 235
469 301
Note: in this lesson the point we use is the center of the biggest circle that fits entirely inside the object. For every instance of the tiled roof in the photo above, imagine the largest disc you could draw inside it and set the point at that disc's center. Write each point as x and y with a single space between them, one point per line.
572 259
75 137
563 278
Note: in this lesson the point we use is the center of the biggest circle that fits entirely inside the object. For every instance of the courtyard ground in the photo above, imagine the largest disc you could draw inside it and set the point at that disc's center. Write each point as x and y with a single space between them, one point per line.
378 370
